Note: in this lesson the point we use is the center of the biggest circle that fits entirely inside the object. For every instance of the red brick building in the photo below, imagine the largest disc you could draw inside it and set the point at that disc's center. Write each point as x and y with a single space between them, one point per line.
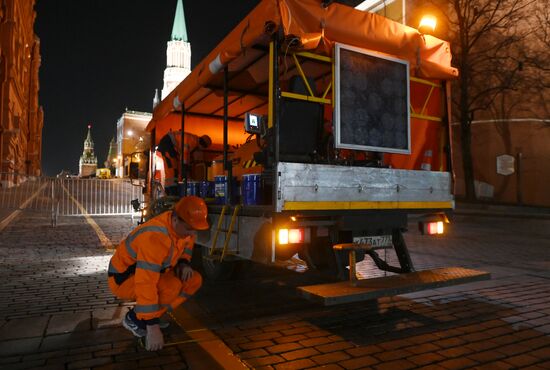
21 116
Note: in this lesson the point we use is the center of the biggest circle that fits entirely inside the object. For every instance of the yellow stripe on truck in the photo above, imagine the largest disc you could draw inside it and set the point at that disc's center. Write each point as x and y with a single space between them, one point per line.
313 206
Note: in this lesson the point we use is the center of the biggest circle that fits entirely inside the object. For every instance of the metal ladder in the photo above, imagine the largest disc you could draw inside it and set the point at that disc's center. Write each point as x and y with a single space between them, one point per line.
228 232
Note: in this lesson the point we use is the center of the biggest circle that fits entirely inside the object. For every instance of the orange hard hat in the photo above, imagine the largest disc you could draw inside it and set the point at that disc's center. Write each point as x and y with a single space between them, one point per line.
193 211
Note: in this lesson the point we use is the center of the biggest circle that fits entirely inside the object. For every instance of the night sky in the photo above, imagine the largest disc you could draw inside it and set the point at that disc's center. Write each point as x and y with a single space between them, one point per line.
100 57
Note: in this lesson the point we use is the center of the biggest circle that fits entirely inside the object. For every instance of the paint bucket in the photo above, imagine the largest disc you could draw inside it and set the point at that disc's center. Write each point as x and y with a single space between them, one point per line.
181 188
251 189
207 190
193 188
220 189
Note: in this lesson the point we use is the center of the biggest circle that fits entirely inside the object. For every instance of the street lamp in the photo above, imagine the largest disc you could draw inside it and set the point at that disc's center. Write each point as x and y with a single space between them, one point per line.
427 24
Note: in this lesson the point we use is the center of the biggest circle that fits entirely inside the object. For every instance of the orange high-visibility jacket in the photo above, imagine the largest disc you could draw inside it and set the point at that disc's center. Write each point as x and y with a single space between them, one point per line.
151 249
170 147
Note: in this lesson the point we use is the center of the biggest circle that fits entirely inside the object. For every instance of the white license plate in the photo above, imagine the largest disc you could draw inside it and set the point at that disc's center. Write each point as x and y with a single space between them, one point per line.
375 241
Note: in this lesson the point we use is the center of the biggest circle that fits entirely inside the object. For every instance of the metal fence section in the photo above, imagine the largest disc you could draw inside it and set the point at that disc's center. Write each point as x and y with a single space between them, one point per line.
67 196
28 193
96 197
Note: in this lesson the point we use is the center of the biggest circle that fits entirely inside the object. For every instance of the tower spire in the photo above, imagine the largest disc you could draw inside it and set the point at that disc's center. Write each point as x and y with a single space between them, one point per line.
179 30
178 54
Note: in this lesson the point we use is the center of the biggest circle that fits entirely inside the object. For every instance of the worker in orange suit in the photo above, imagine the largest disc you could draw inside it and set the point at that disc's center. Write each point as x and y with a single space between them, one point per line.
152 267
170 147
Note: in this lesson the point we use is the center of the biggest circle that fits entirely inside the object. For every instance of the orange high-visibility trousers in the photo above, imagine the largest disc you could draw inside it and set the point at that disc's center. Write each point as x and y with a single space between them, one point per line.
172 292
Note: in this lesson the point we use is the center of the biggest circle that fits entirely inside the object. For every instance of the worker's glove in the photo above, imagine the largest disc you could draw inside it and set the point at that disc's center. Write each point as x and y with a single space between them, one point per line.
183 271
154 339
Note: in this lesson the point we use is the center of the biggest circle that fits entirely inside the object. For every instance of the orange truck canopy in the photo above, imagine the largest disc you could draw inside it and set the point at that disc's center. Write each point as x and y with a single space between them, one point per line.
306 26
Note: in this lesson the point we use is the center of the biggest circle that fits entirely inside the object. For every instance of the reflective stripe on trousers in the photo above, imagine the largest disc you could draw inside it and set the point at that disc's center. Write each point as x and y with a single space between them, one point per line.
172 291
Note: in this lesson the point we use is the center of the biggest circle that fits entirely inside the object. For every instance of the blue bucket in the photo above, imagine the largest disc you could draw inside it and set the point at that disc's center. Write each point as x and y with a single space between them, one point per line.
220 189
181 189
251 189
207 189
193 188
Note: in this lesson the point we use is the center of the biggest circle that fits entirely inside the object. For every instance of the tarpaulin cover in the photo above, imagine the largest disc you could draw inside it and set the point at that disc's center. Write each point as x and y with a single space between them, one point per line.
201 126
317 29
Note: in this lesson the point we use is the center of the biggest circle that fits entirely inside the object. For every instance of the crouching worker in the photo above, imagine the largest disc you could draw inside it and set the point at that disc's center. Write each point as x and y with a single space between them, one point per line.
152 267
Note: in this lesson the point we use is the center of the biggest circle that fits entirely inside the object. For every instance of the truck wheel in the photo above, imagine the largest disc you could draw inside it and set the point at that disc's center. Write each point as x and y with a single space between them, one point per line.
215 270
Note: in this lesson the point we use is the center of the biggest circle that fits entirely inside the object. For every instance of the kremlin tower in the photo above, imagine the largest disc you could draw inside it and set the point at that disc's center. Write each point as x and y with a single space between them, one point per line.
178 54
88 161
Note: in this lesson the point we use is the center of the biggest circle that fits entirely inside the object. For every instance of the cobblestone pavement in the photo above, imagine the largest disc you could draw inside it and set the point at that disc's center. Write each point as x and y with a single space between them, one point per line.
503 323
56 311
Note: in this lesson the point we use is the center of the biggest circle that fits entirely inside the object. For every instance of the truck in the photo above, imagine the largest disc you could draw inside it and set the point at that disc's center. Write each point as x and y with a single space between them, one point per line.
329 126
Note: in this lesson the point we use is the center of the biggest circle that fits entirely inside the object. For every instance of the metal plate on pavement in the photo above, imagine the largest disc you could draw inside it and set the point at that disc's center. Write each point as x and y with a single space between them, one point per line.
367 289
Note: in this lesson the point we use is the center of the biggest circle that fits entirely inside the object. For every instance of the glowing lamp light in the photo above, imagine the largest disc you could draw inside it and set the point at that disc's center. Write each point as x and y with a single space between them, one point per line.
435 228
283 236
427 24
291 236
130 132
295 236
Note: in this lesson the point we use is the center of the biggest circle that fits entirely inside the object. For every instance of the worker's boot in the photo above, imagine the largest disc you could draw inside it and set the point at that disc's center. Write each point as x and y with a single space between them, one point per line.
131 322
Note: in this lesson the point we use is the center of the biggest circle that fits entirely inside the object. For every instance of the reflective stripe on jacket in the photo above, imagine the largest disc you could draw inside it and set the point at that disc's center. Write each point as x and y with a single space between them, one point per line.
152 248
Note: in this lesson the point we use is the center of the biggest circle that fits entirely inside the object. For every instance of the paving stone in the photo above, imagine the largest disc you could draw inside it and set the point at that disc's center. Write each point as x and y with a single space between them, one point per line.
423 348
358 362
25 365
425 359
314 341
458 363
265 336
19 346
449 342
295 365
69 358
487 356
254 345
327 367
298 330
364 350
262 361
161 360
521 360
454 352
9 360
289 338
253 353
91 349
392 355
67 323
513 349
237 340
330 357
286 347
89 363
278 327
83 339
398 364
301 353
24 328
541 353
108 317
317 333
